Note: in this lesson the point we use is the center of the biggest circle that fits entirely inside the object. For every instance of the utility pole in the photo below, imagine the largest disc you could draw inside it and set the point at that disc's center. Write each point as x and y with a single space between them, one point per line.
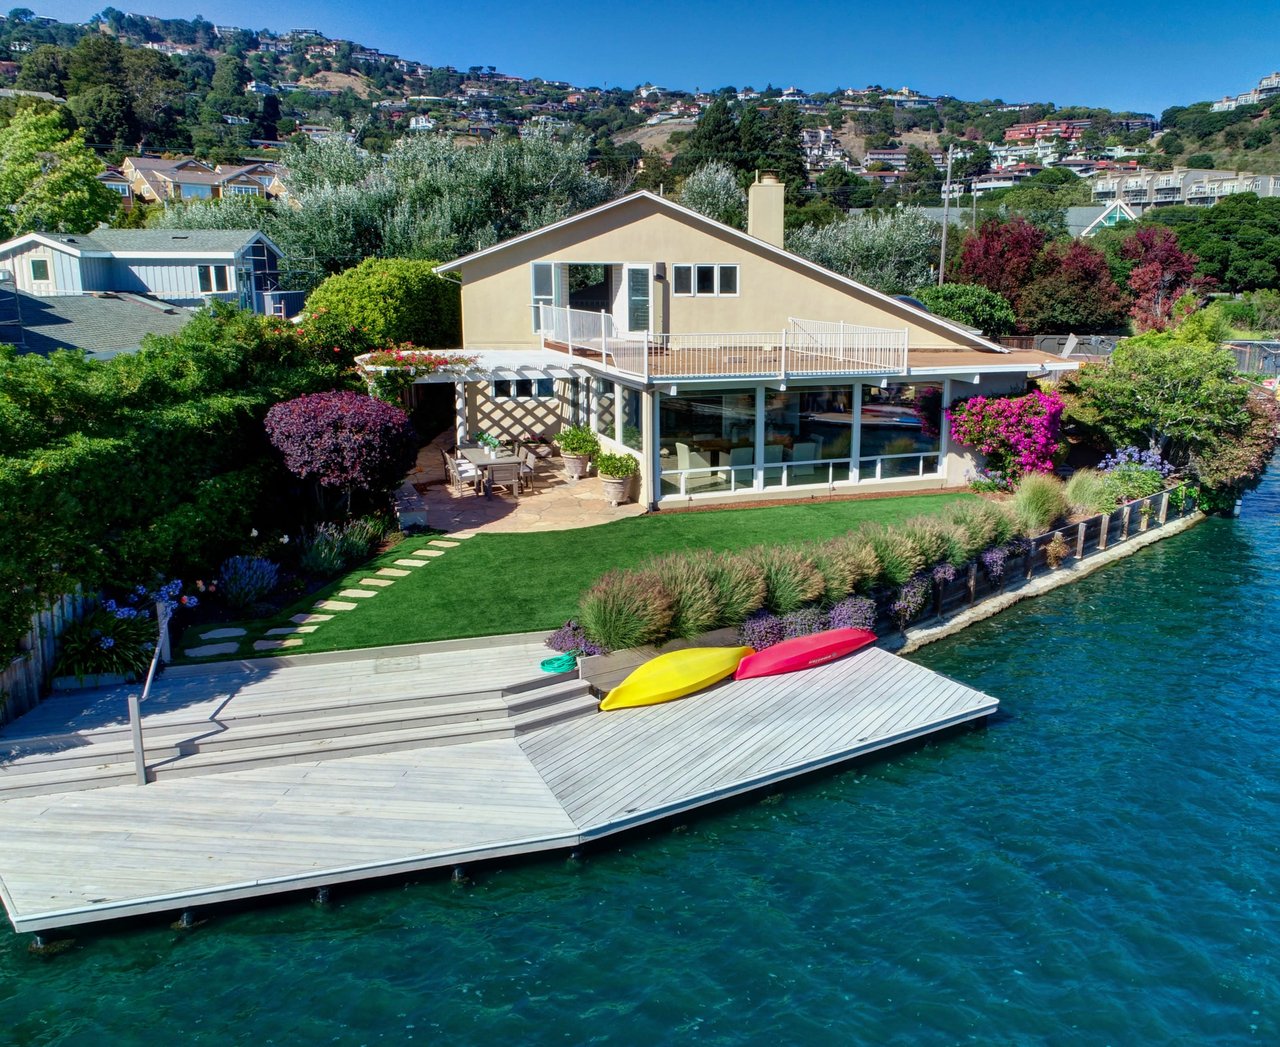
946 215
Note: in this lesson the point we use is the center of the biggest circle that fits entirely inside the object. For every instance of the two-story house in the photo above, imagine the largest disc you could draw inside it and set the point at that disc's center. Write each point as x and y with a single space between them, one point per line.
731 368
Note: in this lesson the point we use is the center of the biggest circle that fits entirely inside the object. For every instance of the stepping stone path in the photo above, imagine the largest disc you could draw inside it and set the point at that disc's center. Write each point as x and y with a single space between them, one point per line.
210 649
221 634
289 636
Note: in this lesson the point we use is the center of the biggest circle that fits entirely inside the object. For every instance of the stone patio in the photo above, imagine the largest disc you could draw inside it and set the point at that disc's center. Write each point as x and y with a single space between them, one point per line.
554 504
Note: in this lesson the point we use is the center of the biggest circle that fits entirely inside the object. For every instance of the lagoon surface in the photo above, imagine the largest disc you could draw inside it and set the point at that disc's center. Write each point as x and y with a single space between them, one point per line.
1099 865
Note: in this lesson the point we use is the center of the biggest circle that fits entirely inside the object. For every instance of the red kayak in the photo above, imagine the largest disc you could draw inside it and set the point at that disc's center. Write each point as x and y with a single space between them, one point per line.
803 652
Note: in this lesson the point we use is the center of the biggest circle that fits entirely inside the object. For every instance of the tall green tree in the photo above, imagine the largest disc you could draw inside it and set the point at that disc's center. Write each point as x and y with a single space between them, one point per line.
44 69
48 178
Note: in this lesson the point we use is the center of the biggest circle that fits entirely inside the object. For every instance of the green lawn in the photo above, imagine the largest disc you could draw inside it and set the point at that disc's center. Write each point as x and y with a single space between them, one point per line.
507 583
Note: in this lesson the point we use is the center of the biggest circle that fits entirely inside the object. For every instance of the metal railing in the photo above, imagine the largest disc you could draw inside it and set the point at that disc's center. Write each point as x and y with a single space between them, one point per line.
804 347
818 472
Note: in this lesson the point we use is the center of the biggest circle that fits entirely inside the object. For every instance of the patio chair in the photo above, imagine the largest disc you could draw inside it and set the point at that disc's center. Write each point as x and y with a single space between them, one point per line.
505 474
688 458
803 453
528 466
741 462
462 474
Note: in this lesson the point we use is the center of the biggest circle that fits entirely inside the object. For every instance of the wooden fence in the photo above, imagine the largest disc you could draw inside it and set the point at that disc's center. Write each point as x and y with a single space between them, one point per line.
26 679
1083 540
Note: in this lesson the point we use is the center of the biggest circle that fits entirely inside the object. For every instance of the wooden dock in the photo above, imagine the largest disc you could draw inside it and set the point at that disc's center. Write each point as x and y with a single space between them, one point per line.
551 775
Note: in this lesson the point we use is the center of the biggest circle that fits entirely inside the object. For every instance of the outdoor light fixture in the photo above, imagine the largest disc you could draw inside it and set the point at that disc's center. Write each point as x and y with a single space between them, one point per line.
671 391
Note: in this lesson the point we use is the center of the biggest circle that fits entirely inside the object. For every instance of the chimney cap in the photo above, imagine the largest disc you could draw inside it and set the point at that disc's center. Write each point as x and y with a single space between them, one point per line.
767 177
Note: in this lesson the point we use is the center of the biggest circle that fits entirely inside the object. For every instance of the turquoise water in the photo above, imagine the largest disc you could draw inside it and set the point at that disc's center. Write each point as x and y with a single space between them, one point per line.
1098 866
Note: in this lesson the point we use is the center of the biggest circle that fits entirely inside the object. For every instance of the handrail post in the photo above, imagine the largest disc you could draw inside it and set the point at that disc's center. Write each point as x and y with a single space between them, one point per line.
783 375
163 611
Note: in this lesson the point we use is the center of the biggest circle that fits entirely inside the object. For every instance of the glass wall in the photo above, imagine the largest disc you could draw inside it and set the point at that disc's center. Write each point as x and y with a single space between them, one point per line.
901 427
808 435
604 416
631 430
706 441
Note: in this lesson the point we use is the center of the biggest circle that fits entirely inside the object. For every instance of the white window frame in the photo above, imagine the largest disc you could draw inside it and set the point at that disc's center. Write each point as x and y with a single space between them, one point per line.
511 394
691 269
48 271
211 273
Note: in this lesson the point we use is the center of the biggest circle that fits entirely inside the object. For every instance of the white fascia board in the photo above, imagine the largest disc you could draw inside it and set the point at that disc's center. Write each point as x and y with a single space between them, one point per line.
124 256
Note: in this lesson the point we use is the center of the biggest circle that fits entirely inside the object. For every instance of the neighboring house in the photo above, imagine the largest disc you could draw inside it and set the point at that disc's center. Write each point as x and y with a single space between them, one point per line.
115 180
731 368
1081 221
103 325
185 267
1141 188
154 180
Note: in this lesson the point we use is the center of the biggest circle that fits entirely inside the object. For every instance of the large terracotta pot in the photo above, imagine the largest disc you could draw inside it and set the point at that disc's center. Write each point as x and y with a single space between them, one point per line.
617 489
576 466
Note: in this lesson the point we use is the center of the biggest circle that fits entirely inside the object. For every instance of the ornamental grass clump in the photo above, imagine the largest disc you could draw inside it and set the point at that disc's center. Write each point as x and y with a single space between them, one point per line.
246 580
1088 492
626 609
857 612
740 586
900 558
858 559
931 537
104 642
1039 502
791 577
695 606
838 574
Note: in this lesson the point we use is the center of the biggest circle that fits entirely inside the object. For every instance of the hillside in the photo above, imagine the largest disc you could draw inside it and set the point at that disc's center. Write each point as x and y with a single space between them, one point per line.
329 81
655 137
1244 139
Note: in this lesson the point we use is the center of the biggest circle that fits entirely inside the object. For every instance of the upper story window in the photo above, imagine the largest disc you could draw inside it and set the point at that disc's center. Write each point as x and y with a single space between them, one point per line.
704 280
39 269
213 278
118 187
244 190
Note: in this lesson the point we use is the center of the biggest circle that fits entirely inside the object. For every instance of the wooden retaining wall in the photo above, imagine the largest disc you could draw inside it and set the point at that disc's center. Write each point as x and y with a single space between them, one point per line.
25 681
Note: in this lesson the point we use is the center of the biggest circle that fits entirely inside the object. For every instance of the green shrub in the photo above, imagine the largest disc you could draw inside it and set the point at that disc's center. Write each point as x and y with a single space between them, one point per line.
971 304
1087 492
740 586
1039 502
331 548
102 642
1130 481
618 466
391 300
695 604
791 577
578 440
245 580
859 559
626 609
900 558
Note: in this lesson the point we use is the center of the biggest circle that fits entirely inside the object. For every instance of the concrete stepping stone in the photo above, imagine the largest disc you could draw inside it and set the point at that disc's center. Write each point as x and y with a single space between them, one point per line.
288 630
221 634
210 649
439 543
306 619
337 605
393 572
427 552
358 594
412 563
274 645
381 583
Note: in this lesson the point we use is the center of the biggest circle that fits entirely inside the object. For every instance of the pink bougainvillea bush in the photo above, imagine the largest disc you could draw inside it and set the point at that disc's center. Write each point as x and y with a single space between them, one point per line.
1017 434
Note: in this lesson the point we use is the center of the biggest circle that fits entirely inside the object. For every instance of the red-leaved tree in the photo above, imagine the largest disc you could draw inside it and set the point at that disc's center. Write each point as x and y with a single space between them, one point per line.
1073 290
1002 257
343 443
1162 274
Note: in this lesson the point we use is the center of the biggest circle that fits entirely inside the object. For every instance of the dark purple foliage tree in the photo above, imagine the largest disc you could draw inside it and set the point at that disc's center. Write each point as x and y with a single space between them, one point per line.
343 443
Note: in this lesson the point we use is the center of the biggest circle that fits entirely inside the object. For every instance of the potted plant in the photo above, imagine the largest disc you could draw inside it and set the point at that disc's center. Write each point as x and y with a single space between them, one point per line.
616 471
578 445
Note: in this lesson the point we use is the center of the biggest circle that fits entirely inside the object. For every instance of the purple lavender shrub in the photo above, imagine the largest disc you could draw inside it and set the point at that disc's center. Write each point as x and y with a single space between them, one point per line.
760 630
993 562
857 612
912 598
804 622
571 638
943 574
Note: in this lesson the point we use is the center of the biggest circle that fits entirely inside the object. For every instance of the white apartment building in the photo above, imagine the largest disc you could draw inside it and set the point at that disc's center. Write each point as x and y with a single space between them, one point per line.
1143 188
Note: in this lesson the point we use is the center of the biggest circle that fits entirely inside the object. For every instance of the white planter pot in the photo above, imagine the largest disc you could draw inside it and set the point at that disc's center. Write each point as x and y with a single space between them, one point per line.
617 489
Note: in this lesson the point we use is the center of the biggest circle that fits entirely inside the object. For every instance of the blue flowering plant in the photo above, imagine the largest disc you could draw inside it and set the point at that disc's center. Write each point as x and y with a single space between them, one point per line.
119 637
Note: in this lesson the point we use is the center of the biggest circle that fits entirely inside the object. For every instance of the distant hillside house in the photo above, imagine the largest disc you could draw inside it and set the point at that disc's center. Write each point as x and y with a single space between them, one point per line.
177 266
154 180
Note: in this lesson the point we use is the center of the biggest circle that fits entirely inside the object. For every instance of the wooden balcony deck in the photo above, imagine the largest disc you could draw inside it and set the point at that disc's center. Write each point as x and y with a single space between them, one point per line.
71 858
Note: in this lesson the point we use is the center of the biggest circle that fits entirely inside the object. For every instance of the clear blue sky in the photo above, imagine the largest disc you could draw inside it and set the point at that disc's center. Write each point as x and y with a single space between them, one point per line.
1141 55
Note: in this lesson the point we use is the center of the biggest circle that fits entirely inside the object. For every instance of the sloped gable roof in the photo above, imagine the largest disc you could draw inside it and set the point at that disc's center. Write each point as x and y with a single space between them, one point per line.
692 217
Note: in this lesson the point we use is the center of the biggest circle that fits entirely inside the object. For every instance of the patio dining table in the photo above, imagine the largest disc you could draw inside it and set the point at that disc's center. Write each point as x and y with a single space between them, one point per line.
483 458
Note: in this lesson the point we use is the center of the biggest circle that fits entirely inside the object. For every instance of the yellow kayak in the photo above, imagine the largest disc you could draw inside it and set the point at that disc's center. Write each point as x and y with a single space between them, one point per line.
675 674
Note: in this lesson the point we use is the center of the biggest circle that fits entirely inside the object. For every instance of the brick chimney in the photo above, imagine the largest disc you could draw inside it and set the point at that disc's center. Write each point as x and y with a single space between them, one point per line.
765 200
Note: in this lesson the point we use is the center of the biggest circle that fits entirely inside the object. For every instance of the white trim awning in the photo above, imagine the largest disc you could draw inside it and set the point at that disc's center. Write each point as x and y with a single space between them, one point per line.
504 364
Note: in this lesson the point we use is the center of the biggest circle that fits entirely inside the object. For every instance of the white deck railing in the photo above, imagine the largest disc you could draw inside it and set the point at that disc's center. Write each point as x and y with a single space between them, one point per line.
804 347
